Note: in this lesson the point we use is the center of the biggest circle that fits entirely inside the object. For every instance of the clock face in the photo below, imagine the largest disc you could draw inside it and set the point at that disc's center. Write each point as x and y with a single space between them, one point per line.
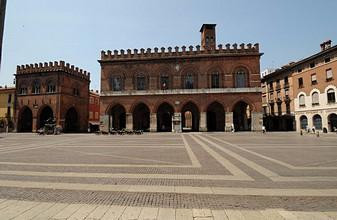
177 67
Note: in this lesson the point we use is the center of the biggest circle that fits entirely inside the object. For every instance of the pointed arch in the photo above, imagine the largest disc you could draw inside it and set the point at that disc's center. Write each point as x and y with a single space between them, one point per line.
215 117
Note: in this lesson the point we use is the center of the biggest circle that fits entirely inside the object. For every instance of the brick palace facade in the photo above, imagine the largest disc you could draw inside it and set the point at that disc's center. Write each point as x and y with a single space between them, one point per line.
202 88
52 90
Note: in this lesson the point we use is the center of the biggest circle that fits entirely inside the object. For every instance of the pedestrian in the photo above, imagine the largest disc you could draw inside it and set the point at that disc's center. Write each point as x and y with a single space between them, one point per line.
264 129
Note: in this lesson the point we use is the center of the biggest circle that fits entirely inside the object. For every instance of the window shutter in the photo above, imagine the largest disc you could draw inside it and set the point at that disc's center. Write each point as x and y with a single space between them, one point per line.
329 73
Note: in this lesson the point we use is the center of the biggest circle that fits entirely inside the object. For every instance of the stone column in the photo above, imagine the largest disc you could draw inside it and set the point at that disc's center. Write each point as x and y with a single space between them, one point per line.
34 125
256 121
203 121
228 121
129 121
104 123
176 122
153 122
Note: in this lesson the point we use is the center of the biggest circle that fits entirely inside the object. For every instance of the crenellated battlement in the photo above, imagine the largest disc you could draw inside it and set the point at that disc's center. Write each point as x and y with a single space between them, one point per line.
53 67
183 51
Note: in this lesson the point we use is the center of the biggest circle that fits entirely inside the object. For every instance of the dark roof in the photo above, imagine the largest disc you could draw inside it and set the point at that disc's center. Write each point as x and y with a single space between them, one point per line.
207 26
298 63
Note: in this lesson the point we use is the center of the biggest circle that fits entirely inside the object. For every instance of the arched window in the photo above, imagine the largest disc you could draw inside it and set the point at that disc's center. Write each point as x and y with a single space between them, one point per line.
51 87
189 81
315 98
302 100
23 90
240 79
331 96
215 80
164 81
141 82
76 90
116 83
317 121
304 122
36 87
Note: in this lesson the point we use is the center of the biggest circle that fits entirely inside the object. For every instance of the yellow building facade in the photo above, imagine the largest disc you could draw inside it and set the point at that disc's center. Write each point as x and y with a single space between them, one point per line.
7 103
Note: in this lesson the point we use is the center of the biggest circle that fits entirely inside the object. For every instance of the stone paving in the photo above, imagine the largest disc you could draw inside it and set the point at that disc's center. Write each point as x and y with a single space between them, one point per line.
168 176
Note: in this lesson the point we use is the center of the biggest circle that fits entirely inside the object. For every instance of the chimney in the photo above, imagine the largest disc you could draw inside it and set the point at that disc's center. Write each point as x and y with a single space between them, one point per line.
208 41
326 45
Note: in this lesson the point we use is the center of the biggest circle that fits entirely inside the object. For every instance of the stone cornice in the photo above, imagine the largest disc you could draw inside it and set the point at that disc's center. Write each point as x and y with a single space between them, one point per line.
182 91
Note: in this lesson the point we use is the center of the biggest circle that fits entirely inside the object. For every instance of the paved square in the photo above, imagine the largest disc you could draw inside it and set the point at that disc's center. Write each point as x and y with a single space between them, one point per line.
192 175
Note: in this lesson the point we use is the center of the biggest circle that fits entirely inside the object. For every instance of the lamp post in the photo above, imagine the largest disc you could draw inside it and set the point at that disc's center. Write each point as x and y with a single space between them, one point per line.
2 24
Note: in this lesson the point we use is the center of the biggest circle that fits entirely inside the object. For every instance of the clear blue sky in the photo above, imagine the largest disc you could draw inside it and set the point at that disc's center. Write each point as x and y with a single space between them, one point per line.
77 30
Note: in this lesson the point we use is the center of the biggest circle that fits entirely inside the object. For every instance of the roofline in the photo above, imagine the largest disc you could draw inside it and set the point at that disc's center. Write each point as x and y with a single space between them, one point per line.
202 27
296 64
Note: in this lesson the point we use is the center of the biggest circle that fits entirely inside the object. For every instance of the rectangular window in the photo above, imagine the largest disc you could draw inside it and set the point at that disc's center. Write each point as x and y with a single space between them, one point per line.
272 110
278 85
313 79
96 115
300 82
164 82
215 80
329 74
288 108
271 87
90 115
279 109
141 83
91 100
312 65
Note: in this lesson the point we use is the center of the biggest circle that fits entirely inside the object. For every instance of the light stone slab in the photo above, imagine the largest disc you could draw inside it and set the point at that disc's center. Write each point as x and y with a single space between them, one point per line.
166 214
148 214
131 213
48 213
17 209
234 214
252 215
98 212
219 215
67 211
184 214
82 213
114 212
31 213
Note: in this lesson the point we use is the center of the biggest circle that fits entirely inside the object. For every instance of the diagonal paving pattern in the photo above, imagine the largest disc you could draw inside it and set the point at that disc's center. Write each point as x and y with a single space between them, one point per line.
196 176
